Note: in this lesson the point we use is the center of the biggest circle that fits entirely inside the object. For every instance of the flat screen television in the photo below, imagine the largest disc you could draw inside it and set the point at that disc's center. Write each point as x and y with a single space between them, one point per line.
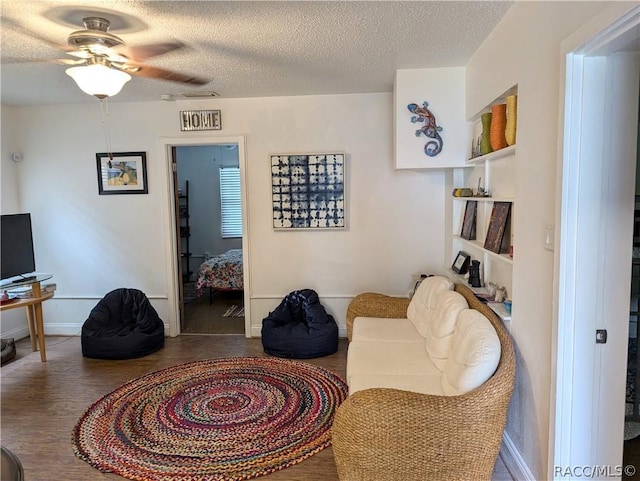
16 246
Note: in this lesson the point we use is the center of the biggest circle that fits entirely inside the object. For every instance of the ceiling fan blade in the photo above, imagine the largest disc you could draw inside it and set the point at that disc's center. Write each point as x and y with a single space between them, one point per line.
142 70
139 53
81 54
69 61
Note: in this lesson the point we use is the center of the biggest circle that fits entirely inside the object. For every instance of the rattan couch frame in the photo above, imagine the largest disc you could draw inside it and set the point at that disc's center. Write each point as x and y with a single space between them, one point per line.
392 435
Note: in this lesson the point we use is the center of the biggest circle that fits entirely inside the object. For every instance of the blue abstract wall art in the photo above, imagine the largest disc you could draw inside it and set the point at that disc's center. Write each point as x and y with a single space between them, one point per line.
430 129
308 191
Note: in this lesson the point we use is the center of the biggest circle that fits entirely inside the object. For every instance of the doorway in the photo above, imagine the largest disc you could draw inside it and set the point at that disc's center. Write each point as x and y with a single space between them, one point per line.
209 231
631 449
177 195
593 265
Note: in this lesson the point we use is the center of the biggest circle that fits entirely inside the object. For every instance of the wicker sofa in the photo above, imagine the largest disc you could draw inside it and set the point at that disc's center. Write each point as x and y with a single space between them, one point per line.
387 434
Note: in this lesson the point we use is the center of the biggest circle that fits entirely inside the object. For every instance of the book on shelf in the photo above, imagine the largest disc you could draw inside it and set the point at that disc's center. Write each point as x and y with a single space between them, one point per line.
469 222
498 234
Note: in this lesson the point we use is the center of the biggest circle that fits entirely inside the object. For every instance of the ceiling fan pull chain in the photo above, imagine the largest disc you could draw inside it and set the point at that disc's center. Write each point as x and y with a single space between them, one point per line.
106 123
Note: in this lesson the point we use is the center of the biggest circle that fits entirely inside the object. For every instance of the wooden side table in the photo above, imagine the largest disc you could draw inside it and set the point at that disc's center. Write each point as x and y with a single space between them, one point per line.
34 316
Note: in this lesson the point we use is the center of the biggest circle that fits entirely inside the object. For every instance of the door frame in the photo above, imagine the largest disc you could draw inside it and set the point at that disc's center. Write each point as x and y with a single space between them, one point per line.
589 377
167 143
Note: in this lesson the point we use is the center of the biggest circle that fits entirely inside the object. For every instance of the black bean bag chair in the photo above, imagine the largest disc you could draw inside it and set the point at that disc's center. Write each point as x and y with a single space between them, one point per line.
7 350
123 325
300 328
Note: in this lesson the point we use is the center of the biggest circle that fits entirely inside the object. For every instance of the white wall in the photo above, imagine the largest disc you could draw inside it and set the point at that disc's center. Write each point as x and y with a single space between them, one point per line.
9 173
13 322
525 50
94 243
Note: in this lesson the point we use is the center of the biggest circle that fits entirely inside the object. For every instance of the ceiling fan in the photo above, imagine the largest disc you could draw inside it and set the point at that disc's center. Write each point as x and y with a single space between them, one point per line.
104 63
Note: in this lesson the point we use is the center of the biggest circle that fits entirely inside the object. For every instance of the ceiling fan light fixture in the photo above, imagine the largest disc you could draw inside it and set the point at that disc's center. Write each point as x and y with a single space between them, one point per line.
99 80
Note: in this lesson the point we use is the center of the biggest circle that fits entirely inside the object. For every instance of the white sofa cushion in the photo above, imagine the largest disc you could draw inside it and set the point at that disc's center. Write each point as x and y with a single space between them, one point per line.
392 358
423 303
420 383
384 329
475 353
440 330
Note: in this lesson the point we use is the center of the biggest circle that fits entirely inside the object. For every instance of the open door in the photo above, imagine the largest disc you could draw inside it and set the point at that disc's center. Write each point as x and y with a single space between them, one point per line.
176 203
594 261
177 295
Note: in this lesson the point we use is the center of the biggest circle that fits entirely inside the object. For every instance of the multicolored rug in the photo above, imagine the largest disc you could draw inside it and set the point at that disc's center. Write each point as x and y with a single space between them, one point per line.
223 419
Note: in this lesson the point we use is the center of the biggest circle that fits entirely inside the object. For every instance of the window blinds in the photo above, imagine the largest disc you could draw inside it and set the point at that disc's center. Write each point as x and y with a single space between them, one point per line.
231 202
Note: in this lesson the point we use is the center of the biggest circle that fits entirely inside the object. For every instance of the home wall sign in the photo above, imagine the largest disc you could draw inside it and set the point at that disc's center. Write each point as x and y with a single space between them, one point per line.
191 120
308 191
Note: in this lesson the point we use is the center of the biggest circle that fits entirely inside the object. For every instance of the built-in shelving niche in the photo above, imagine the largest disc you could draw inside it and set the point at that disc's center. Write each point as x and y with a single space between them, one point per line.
494 172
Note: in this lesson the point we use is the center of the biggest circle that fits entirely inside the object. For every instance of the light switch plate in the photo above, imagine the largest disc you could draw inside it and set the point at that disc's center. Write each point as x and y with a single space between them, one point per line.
548 238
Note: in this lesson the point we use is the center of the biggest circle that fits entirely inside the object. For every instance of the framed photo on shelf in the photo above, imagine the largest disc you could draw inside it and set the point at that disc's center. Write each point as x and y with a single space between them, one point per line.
461 263
498 233
122 173
469 222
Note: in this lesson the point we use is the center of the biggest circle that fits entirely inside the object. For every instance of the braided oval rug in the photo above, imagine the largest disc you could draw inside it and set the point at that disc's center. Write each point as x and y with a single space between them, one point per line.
223 419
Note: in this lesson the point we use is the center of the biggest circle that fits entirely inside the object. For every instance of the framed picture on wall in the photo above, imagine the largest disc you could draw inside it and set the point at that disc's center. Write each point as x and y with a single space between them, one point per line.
308 191
469 222
122 173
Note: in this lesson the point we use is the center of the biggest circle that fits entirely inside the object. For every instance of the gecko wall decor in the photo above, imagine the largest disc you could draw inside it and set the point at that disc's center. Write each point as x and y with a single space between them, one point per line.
430 129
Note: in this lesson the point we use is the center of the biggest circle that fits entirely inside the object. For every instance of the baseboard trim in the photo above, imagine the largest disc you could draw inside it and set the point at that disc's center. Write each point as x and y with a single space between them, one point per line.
17 333
98 297
71 329
514 461
63 329
254 297
256 331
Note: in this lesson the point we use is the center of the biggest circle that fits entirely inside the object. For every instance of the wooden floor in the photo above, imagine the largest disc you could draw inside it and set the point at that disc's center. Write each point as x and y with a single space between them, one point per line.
41 402
204 317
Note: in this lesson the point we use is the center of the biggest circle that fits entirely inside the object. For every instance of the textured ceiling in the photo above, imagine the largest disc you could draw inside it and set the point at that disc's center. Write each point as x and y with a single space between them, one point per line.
247 49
